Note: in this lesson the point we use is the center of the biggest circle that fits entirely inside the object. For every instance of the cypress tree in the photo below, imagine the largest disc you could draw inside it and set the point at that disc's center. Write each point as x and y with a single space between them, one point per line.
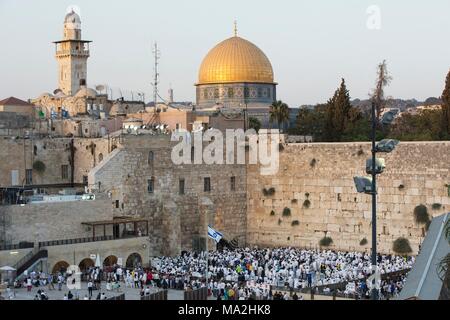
446 107
337 114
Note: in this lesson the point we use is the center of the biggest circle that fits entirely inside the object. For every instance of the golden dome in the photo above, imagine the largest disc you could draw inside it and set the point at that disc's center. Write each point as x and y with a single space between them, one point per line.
235 60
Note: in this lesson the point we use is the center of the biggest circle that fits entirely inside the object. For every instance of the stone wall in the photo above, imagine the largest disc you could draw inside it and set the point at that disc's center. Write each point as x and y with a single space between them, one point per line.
54 221
174 218
416 173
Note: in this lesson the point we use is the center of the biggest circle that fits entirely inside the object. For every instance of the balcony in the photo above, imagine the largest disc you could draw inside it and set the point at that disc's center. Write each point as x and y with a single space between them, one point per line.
72 53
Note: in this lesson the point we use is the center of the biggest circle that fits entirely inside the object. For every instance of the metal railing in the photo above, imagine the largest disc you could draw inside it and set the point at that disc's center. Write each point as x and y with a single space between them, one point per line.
7 247
54 243
24 259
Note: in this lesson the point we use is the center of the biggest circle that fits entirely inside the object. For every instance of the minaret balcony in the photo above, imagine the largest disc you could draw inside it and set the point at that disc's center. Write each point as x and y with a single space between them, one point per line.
81 53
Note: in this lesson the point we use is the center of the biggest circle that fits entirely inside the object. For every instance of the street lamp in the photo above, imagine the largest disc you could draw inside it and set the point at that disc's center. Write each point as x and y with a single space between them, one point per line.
368 185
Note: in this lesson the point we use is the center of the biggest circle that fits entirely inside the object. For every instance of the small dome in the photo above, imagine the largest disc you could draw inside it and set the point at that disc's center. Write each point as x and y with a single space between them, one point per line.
45 94
86 93
72 17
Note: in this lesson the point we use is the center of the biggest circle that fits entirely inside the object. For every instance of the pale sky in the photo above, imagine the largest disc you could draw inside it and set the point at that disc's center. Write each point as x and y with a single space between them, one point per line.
312 44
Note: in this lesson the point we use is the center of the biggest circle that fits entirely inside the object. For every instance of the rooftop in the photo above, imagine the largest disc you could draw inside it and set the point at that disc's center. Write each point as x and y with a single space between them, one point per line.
13 101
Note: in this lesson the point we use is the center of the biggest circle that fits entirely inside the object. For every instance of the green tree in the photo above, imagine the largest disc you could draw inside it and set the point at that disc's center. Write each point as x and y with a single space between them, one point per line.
279 113
423 126
446 107
337 113
254 123
310 122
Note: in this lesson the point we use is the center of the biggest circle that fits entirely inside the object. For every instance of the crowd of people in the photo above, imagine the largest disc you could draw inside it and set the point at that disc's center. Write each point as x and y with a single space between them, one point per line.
282 267
241 274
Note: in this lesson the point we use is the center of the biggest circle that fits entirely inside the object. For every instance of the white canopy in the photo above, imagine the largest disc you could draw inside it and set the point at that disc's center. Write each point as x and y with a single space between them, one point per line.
7 268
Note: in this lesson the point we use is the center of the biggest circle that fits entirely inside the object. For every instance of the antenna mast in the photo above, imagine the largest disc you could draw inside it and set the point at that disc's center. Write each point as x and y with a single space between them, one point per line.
156 55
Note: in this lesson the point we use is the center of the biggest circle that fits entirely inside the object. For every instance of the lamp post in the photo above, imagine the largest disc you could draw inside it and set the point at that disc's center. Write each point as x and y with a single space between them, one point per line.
374 202
368 185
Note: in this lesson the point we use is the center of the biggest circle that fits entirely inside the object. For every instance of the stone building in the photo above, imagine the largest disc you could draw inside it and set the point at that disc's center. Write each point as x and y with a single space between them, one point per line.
19 158
16 117
17 106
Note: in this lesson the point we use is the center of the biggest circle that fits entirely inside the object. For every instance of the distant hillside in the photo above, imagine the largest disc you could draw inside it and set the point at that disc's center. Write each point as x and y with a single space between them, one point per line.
397 103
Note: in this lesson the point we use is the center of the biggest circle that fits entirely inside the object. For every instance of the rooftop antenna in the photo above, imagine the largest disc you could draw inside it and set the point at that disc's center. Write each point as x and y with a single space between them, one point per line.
156 55
235 28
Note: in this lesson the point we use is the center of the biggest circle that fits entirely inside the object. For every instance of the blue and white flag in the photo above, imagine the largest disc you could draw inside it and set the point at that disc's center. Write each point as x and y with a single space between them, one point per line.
215 235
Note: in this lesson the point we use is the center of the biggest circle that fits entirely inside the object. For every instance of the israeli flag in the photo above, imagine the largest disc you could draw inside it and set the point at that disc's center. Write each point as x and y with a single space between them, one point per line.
215 235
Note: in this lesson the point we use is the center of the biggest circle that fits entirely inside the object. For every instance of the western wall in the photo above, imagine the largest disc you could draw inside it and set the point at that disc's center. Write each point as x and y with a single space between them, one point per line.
315 183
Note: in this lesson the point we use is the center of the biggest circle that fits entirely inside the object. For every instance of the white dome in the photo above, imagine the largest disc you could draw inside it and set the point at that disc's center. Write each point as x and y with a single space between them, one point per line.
72 17
86 93
45 94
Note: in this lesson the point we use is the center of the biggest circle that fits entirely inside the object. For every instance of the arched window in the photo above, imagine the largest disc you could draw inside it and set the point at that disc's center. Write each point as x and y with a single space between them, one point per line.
151 158
100 157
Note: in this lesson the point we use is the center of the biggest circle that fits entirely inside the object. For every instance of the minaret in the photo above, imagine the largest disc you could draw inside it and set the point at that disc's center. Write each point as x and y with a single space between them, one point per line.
72 54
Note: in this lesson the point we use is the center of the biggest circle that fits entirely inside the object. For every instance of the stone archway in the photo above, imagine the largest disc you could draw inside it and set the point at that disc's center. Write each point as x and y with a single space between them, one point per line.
60 266
85 264
134 260
110 261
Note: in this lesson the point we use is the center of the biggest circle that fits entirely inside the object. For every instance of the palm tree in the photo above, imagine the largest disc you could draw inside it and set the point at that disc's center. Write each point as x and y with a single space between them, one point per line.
254 123
279 112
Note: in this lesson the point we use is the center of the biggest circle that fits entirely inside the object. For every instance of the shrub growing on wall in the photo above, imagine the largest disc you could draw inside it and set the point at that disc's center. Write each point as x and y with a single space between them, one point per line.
295 223
39 166
286 212
307 203
363 242
421 214
269 192
326 242
272 213
437 206
402 246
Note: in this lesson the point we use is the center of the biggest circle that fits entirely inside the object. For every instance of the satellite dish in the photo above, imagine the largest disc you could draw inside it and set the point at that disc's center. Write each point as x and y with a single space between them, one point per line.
100 87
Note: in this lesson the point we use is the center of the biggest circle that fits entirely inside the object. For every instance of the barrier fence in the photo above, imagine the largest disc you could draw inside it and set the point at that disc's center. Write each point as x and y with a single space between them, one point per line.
160 295
198 294
120 297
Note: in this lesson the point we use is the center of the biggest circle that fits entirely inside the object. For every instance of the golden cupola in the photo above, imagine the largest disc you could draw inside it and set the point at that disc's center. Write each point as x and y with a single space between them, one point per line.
234 74
235 60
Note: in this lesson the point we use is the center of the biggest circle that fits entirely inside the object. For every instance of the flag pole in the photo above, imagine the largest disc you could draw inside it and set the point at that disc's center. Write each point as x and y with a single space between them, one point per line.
207 253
